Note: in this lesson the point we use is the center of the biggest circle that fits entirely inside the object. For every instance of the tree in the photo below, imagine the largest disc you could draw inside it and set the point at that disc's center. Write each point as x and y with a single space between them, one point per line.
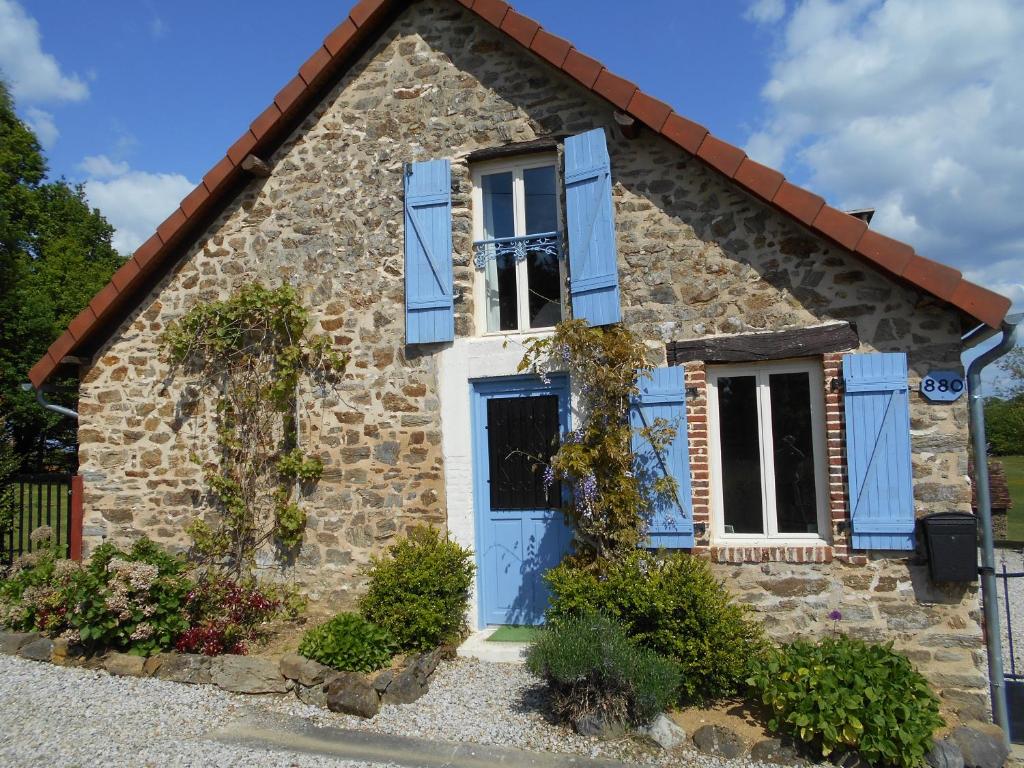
55 254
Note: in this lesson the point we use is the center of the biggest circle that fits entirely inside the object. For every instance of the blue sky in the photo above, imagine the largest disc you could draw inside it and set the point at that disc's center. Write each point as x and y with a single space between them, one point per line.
914 107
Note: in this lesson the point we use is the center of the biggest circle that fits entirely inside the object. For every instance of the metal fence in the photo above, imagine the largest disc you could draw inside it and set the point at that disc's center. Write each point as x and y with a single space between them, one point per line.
38 500
1012 592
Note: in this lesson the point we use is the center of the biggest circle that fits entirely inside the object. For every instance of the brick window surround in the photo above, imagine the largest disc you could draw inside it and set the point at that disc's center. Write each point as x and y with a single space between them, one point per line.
835 437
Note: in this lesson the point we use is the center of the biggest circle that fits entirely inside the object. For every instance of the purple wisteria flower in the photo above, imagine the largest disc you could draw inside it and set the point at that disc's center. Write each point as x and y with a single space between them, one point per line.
835 616
549 477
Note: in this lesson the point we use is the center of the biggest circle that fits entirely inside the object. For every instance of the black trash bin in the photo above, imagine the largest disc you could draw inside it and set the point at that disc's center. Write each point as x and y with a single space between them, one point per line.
951 540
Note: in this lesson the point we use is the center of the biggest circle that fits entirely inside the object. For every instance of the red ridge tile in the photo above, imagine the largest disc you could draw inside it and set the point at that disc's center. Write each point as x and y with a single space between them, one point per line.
521 28
979 302
721 155
217 175
150 250
265 122
614 88
102 301
194 200
648 110
125 275
759 179
315 65
41 371
933 277
61 347
582 67
492 11
340 37
242 147
365 10
290 95
82 323
686 133
550 47
884 251
845 229
798 201
171 225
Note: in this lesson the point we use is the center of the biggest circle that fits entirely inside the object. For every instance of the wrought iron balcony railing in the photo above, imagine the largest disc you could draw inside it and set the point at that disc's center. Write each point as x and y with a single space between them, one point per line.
549 243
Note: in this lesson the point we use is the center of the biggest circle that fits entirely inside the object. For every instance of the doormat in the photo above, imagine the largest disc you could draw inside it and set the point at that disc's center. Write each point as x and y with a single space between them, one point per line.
514 634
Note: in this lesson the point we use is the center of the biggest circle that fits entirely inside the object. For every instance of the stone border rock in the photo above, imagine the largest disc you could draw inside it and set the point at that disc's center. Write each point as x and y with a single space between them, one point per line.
350 693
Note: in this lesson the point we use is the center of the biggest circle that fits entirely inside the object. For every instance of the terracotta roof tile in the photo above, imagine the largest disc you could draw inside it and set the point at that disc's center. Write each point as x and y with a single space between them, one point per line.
82 323
218 174
845 229
889 254
521 28
648 110
365 10
582 67
614 88
340 37
492 11
550 47
686 133
125 275
171 225
759 179
302 91
798 202
315 66
720 155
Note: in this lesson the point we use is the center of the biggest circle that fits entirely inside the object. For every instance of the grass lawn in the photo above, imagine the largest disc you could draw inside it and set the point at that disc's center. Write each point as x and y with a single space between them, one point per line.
1014 466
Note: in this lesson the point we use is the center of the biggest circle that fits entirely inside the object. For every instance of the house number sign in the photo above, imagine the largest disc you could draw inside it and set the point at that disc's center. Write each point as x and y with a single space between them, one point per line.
943 386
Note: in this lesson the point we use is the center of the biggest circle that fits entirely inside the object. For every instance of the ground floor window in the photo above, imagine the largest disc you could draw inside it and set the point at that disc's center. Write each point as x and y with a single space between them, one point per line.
767 440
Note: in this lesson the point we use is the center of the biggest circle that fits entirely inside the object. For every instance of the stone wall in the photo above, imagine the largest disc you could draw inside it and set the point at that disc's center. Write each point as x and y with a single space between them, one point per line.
696 256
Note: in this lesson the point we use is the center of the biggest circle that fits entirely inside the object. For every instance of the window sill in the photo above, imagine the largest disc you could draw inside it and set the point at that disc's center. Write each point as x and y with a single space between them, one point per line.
772 551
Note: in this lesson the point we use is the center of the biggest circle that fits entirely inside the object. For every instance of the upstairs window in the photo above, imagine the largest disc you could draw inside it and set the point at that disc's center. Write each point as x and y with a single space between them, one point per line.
517 248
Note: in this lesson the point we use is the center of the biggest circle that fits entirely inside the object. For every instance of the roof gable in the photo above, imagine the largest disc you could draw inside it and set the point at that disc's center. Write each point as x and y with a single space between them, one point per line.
351 38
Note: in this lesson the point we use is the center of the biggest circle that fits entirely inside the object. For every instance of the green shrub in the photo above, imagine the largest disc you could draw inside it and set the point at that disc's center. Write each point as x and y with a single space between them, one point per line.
349 643
842 692
420 589
593 669
672 604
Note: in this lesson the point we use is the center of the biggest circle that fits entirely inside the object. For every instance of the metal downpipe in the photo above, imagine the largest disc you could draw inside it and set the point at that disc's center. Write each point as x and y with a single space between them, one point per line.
50 406
993 635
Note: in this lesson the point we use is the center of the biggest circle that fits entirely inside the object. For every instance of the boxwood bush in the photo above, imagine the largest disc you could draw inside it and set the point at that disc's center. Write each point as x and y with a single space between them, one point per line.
672 604
349 643
842 692
419 590
593 669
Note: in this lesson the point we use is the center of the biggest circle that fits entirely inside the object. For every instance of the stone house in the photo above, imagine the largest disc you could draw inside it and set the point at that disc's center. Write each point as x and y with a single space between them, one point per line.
444 179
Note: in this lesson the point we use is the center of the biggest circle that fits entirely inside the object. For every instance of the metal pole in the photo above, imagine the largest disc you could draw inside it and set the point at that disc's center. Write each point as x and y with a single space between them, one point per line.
989 597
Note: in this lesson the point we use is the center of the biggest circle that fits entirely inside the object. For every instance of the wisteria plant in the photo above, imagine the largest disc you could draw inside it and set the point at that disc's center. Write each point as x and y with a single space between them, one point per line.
610 505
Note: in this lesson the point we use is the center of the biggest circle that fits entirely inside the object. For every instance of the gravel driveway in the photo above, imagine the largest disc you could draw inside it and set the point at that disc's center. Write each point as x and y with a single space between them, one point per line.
59 716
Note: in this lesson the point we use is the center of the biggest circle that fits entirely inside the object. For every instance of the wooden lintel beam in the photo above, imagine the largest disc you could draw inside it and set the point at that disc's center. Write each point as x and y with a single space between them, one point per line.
255 166
627 124
768 345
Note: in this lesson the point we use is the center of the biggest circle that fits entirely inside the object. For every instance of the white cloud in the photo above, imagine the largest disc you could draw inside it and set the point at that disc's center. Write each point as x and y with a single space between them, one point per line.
34 76
912 107
766 11
42 125
133 201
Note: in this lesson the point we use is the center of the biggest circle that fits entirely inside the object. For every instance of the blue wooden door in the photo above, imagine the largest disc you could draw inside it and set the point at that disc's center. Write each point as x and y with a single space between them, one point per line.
521 531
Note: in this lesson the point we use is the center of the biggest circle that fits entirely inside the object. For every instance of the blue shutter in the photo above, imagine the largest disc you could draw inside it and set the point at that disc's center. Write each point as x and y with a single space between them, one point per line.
663 396
878 450
593 267
429 309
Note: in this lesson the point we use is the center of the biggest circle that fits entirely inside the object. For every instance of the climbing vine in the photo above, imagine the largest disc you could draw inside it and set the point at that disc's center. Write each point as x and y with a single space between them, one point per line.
252 351
611 502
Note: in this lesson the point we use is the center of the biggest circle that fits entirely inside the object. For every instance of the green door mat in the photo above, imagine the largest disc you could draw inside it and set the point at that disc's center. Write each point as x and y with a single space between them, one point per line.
514 634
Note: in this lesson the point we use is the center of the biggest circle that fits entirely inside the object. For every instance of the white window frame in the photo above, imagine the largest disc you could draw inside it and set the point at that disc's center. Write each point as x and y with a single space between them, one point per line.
771 535
516 166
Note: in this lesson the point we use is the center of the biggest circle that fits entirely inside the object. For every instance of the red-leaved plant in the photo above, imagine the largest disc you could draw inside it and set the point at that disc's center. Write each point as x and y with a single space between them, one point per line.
225 615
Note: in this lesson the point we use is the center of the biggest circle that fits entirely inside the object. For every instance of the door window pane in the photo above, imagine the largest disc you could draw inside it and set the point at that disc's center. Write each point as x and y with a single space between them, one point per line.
796 503
741 454
522 436
540 200
543 280
500 272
